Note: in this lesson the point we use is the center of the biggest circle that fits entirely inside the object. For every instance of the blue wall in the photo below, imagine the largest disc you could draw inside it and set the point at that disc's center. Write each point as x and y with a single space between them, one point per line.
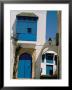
22 30
51 24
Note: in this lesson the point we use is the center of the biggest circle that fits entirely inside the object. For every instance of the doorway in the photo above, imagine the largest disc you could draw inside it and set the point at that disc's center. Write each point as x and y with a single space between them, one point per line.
25 66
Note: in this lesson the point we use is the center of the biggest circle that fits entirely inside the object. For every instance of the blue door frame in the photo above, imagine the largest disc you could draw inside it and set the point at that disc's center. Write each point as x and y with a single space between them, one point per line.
25 66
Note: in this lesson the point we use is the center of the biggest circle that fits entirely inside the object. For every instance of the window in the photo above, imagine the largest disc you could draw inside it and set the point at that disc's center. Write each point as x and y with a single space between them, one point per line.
49 57
29 30
43 57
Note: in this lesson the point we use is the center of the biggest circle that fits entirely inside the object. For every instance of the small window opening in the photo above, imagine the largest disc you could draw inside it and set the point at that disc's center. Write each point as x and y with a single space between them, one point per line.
29 30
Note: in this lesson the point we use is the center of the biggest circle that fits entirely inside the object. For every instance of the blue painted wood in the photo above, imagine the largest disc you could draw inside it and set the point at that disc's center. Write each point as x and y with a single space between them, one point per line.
21 69
49 69
22 30
28 72
25 66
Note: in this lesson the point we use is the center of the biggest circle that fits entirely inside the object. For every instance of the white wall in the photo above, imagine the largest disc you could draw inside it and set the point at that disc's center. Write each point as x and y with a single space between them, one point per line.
41 27
11 59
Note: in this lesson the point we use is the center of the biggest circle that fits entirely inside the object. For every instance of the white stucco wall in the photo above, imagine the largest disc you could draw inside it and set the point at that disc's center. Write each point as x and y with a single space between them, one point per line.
11 59
41 32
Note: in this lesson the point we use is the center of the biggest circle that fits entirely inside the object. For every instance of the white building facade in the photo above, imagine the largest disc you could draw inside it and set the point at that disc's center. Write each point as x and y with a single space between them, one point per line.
34 48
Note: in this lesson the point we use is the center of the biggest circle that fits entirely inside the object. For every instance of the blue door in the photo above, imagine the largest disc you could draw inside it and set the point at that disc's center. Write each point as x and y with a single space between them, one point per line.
49 70
25 66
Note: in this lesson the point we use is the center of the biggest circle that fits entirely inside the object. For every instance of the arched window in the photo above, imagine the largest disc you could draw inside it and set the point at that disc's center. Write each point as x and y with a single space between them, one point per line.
49 62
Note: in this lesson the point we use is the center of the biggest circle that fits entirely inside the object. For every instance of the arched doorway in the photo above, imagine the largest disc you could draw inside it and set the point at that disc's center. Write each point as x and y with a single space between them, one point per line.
25 66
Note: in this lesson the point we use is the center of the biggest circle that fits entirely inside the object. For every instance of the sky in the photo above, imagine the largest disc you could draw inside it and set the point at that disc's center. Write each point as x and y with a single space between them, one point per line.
51 24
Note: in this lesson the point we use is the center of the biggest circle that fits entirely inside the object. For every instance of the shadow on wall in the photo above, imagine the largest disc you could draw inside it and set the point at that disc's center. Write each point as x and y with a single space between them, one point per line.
13 39
14 30
38 65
